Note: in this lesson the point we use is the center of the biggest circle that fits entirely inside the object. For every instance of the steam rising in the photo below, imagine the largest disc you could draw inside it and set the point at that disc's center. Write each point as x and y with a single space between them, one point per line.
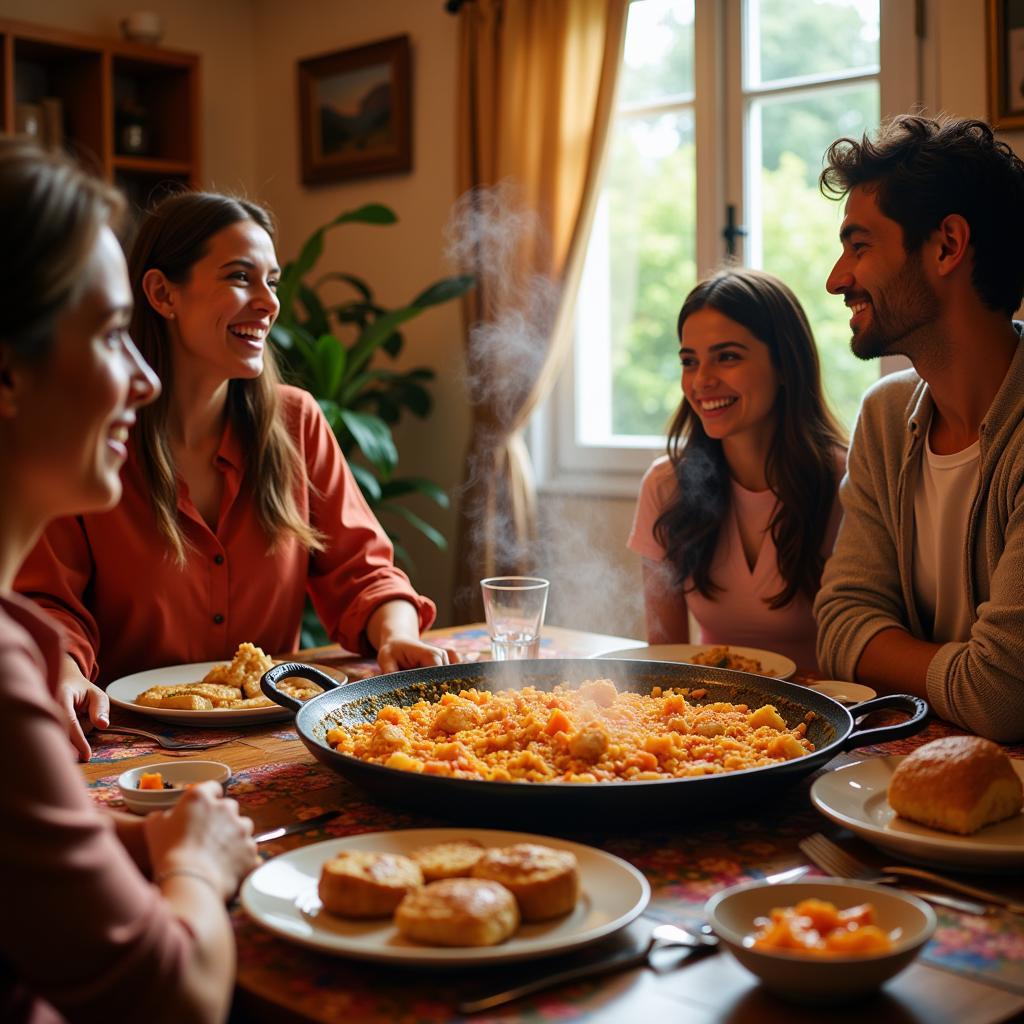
493 234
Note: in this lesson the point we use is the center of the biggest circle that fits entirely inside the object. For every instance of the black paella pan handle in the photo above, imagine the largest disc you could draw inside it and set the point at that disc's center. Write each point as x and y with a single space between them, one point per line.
914 706
270 679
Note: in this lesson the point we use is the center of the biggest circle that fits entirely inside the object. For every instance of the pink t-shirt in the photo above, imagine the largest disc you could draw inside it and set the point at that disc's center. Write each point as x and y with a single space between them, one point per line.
738 614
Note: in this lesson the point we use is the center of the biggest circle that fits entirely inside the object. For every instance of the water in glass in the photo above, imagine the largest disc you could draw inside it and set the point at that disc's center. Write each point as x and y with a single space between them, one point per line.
514 646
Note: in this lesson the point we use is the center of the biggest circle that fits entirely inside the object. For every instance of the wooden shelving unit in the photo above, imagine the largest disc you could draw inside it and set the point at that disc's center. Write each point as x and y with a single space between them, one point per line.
128 111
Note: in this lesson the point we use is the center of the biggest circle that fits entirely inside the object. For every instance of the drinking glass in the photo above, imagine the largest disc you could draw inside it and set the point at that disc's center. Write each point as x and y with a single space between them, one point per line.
514 606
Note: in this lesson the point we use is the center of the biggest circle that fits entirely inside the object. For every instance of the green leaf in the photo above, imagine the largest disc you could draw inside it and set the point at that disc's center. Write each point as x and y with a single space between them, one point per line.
393 345
414 485
445 290
433 535
316 315
371 213
374 438
332 413
417 399
356 282
330 365
368 483
377 333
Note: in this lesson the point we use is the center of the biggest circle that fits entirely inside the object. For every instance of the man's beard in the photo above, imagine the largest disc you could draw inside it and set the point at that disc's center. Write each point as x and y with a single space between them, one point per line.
904 305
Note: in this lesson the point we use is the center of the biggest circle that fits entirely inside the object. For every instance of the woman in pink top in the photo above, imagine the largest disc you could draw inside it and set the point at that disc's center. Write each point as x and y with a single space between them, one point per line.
106 916
735 523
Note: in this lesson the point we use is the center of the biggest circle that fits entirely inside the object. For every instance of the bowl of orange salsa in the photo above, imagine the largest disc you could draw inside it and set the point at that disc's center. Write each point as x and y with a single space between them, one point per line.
821 940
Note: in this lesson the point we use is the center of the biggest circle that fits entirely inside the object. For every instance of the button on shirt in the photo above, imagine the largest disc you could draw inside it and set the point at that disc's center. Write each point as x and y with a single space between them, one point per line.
126 606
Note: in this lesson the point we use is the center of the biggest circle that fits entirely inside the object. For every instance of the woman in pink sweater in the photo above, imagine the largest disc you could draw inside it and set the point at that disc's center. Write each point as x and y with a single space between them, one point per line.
734 524
106 916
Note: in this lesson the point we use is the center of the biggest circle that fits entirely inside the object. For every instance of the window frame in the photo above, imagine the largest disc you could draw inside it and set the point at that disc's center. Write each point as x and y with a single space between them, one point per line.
562 465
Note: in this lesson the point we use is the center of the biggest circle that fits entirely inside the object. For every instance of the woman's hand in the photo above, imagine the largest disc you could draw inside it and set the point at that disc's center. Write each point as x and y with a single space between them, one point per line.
412 653
203 834
394 631
84 705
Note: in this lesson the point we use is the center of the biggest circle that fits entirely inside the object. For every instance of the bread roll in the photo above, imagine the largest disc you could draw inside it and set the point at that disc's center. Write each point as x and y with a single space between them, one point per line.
957 784
359 883
458 912
448 860
544 881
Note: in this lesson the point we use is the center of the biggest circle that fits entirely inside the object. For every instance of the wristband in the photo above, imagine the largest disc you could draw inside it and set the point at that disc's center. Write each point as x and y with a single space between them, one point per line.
188 873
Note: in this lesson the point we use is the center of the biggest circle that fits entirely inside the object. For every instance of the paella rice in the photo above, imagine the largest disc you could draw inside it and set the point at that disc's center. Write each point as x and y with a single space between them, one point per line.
591 733
721 657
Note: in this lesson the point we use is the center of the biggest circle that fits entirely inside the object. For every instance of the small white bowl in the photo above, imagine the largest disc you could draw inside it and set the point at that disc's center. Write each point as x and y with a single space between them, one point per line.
846 693
807 978
178 773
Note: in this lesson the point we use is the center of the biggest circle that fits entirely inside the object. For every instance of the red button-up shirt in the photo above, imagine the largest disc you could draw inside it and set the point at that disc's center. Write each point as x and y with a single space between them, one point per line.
127 606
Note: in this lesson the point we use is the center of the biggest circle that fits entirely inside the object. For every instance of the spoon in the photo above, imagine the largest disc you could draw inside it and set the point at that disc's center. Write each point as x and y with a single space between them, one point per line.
664 936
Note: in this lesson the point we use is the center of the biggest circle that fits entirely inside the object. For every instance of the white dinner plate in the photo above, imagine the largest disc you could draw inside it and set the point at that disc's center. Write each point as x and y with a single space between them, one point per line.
846 693
281 896
777 665
123 692
856 796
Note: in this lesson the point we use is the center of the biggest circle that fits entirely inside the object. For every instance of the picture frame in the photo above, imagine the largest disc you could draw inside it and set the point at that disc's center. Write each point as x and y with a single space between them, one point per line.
355 112
1006 63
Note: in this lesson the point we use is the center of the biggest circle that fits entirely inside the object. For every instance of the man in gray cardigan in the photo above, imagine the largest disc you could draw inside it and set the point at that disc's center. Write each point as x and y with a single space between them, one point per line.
925 590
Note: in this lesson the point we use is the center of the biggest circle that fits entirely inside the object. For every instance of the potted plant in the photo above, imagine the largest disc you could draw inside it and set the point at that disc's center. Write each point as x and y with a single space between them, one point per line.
329 348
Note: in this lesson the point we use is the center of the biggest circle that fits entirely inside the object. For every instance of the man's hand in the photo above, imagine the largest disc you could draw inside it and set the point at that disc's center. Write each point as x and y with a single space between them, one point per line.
84 705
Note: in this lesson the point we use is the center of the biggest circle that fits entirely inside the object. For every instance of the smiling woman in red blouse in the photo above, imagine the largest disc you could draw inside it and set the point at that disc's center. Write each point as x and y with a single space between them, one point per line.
237 499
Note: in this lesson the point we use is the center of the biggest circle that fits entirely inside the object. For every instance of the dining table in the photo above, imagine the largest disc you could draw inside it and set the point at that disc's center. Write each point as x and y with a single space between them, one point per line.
971 972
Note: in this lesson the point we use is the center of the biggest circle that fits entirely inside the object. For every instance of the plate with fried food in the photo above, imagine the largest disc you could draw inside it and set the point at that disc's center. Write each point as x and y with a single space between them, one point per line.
738 659
208 693
457 897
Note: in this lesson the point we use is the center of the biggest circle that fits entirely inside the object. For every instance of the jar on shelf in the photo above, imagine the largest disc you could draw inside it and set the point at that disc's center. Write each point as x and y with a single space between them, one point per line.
133 131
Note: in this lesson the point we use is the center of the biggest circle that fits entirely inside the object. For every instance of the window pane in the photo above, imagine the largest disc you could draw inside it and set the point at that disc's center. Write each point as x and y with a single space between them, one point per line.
797 228
658 56
790 38
652 264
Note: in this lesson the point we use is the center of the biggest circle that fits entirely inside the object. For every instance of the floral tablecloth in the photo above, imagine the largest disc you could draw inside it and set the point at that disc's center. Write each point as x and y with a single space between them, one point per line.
685 861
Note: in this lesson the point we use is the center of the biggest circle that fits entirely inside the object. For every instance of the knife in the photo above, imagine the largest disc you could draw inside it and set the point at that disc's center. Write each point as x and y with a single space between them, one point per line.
296 826
699 944
940 899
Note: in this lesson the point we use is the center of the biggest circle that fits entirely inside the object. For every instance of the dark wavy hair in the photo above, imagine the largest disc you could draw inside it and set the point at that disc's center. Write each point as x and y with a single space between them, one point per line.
801 465
173 237
922 170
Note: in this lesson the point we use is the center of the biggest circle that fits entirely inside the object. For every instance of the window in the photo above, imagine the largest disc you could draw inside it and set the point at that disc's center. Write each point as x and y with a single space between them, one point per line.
723 107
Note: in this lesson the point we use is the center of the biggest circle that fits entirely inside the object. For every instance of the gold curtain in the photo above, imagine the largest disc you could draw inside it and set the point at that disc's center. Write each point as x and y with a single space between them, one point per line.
536 90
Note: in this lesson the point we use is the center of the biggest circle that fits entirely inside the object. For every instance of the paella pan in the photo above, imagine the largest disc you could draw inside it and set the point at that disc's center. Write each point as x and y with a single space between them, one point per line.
831 729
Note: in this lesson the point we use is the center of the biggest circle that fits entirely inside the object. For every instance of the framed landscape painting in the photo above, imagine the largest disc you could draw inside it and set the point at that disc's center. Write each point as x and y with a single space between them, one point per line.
355 111
1006 63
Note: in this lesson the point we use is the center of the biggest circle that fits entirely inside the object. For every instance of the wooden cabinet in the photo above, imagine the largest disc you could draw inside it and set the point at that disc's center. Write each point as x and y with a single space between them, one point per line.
128 111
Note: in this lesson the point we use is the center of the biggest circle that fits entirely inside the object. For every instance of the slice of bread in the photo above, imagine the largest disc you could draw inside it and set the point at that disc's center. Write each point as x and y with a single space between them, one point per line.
360 883
544 881
458 912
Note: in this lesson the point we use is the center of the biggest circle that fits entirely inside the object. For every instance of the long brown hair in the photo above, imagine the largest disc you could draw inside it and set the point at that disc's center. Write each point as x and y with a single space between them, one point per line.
172 238
52 212
801 464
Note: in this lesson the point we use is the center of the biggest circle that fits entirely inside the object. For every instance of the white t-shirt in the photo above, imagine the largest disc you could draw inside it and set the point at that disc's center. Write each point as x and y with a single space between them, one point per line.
945 493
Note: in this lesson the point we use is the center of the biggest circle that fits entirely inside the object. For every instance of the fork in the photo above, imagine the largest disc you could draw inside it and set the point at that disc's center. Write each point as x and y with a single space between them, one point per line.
164 741
834 859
